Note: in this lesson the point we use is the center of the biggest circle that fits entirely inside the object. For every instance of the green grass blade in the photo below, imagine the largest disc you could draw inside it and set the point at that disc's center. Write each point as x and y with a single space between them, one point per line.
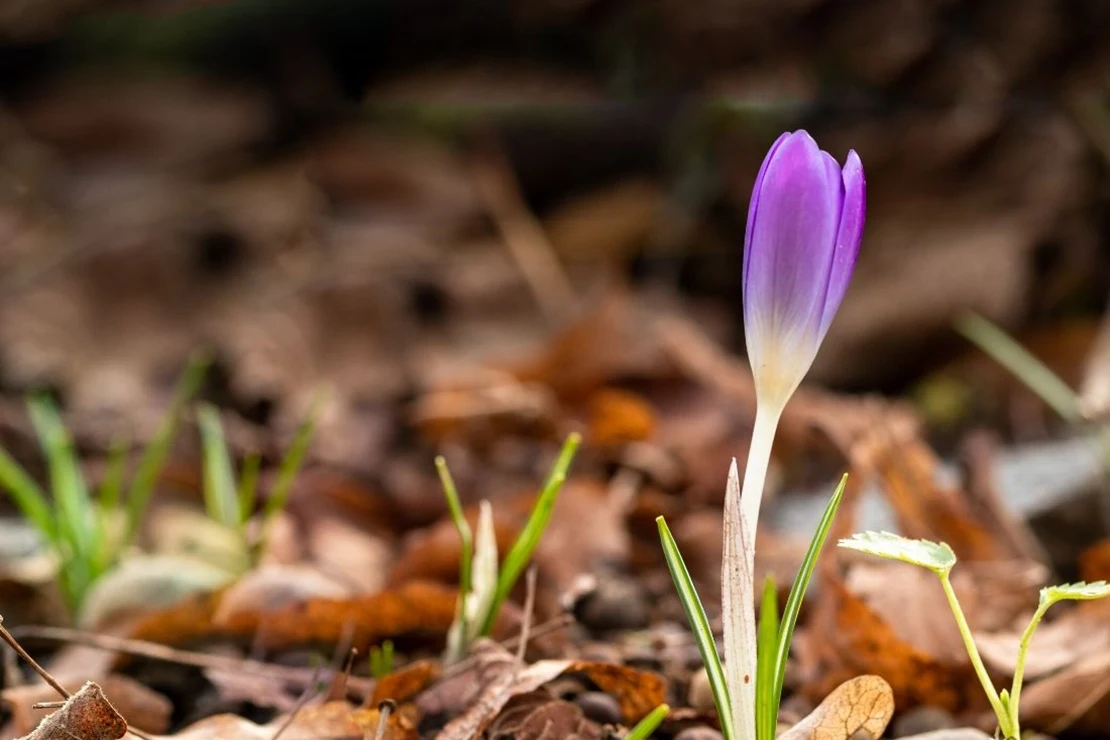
466 538
158 448
766 716
220 496
798 590
76 530
247 491
1008 353
28 497
648 725
292 460
699 623
108 495
525 544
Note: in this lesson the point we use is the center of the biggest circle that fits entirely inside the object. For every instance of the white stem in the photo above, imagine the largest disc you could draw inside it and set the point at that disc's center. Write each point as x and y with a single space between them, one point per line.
738 571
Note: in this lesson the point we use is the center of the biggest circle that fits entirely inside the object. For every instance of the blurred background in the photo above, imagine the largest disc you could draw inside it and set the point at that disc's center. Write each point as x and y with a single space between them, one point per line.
389 196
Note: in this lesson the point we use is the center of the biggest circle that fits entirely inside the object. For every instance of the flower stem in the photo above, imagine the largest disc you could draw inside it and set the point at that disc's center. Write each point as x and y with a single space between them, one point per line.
1009 728
1019 667
737 575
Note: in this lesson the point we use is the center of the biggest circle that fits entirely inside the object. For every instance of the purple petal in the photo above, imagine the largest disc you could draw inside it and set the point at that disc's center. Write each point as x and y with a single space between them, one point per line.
794 223
753 206
848 238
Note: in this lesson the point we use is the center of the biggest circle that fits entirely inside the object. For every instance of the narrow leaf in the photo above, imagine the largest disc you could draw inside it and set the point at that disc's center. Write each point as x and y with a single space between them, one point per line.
1027 368
28 496
220 497
291 462
521 551
459 627
699 624
158 449
766 708
247 490
936 556
648 725
737 598
798 592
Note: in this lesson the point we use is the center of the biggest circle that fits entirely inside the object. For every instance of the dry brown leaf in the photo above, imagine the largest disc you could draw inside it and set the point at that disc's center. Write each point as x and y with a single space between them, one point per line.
405 683
858 709
846 638
1077 697
497 693
86 715
538 716
618 416
638 692
334 720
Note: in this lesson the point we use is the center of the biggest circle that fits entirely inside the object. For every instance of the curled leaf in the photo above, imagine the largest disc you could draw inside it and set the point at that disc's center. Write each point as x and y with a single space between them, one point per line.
936 556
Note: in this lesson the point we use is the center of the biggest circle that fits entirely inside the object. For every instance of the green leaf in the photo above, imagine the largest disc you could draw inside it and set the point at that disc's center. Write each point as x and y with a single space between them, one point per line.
1075 592
648 725
29 497
936 556
291 462
158 448
466 537
766 710
220 496
1018 360
247 490
699 623
797 596
521 551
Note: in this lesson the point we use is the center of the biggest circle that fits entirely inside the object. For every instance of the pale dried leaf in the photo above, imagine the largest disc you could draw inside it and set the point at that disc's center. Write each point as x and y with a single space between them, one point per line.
859 709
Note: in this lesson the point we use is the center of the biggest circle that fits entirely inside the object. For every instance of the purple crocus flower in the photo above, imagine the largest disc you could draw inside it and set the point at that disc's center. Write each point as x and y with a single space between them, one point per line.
805 222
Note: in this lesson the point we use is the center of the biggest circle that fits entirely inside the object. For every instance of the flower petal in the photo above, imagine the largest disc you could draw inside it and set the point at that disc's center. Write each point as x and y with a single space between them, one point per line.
794 223
849 235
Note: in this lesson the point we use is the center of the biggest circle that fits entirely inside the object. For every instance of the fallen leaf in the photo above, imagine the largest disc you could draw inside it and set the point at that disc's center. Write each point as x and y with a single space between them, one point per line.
405 683
539 716
497 693
858 709
86 715
334 720
638 692
619 416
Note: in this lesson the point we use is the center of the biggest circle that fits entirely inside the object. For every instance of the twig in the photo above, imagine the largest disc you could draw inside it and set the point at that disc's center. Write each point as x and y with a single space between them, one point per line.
309 692
299 676
384 710
7 637
523 234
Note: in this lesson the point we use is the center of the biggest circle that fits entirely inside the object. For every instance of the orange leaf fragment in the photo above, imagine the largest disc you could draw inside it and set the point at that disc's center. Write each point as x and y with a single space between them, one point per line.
859 708
405 683
638 692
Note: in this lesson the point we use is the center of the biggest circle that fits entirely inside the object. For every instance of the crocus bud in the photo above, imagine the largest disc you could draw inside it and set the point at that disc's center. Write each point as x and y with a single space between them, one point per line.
805 222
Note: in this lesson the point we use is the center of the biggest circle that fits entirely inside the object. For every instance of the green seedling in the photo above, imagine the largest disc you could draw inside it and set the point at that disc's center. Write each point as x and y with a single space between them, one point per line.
774 636
381 659
939 558
85 533
231 499
483 586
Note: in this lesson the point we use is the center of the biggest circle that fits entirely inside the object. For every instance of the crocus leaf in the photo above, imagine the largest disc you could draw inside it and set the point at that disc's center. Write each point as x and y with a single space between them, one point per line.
699 623
766 709
797 595
1075 592
936 556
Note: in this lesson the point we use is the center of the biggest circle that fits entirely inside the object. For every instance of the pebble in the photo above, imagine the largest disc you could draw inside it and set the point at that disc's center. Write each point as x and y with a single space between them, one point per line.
615 604
699 733
701 693
600 707
922 719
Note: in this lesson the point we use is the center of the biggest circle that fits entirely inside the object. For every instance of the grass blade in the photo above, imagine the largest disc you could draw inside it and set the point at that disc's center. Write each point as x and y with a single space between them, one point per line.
525 544
767 709
158 448
292 460
798 590
220 496
648 725
247 491
76 531
699 623
1008 353
466 537
108 495
29 497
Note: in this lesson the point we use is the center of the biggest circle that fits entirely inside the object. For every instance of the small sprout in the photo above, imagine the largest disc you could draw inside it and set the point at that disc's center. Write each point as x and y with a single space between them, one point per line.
648 724
939 558
381 659
935 556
